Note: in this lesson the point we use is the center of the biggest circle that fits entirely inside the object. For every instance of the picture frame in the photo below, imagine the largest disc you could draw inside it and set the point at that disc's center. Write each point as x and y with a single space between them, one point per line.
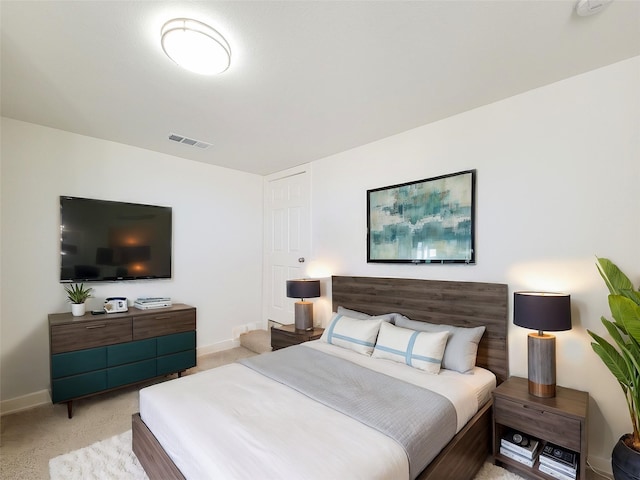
429 221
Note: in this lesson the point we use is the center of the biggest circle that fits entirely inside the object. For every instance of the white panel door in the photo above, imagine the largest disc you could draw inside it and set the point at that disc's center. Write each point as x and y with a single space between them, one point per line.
287 239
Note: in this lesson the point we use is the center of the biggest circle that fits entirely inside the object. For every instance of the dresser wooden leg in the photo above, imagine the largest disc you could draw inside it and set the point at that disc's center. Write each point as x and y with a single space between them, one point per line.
70 408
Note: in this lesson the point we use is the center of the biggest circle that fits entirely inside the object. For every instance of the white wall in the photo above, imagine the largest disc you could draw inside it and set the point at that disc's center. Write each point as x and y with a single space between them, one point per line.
558 182
558 175
217 239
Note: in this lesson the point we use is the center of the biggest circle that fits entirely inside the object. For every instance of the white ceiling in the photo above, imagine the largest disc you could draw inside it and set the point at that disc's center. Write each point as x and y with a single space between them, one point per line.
307 80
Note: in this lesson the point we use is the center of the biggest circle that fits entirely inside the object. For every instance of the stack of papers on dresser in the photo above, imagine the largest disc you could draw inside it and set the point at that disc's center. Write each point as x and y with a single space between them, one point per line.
146 303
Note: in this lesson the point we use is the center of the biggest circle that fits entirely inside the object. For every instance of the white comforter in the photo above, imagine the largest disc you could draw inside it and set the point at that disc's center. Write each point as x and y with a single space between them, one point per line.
233 423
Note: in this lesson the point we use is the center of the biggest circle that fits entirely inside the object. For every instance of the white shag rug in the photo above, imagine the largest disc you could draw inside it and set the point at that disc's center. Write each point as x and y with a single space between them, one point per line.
113 459
110 459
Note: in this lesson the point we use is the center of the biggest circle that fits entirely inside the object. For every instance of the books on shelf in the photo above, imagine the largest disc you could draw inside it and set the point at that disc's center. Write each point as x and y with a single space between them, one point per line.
517 457
520 447
559 462
521 444
555 473
553 460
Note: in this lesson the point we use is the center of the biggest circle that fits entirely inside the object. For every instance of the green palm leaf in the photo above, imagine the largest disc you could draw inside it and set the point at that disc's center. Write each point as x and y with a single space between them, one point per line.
613 276
611 358
627 313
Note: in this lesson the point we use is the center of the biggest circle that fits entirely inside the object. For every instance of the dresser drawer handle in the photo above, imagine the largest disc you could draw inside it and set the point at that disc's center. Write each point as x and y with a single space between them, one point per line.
89 327
162 317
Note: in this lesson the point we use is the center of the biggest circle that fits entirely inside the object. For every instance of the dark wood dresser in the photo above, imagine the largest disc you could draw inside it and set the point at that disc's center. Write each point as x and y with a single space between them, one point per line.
95 353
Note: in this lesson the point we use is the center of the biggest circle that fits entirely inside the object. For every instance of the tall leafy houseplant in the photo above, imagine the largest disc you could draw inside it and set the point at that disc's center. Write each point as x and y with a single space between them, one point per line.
623 361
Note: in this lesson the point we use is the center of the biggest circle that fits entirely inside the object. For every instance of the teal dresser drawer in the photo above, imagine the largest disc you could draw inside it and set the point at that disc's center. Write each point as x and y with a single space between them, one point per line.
132 373
73 363
176 343
131 352
78 385
176 362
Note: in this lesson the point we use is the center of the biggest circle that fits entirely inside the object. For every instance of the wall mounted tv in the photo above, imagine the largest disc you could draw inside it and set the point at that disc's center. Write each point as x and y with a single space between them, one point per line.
108 241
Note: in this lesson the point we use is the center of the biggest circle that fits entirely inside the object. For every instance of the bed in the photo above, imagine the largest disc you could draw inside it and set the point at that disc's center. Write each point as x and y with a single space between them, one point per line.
266 420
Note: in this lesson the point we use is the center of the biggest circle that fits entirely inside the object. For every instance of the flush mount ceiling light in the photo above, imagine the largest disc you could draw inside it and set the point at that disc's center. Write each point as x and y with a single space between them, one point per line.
585 8
195 46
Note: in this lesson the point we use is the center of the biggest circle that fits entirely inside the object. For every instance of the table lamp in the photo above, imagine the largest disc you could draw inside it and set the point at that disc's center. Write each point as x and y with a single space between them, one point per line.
303 310
542 311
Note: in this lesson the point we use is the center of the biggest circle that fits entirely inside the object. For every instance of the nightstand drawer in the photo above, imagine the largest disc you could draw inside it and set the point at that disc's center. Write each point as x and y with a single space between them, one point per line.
535 421
282 340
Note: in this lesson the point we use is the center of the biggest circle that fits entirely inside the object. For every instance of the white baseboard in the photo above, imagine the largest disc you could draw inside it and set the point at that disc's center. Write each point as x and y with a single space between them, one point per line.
25 402
600 465
218 347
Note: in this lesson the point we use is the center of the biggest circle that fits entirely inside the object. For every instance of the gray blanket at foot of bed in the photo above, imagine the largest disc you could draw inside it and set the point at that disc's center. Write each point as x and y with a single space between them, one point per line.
420 420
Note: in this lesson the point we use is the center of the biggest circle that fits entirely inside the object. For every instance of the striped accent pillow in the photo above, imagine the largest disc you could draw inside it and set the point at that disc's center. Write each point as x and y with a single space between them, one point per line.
462 346
357 335
423 350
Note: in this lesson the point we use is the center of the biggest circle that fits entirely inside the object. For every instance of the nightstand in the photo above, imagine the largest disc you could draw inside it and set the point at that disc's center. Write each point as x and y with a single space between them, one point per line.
561 420
287 335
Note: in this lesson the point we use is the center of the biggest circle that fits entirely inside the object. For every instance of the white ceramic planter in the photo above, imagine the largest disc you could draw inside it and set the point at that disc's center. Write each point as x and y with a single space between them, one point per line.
77 309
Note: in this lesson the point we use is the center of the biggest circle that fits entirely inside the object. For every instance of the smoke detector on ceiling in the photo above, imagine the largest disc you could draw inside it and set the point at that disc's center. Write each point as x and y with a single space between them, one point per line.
188 141
584 8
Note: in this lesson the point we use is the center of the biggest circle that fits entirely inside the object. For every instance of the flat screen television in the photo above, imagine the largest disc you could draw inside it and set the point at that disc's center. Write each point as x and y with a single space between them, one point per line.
103 240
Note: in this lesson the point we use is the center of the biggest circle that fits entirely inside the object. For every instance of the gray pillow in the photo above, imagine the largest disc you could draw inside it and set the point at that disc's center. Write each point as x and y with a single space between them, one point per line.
462 346
387 317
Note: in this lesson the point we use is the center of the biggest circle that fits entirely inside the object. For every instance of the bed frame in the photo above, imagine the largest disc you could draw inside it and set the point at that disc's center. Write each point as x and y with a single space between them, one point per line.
464 304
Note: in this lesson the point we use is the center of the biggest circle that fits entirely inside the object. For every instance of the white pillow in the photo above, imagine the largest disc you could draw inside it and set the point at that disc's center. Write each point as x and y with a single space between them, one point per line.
357 335
421 350
462 348
353 313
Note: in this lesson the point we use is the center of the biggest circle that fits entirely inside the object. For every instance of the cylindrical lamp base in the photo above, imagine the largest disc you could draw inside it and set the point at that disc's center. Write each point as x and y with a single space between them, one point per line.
541 351
303 315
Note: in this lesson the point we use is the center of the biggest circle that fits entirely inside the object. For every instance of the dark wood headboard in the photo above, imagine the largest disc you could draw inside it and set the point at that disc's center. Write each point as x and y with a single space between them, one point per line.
463 304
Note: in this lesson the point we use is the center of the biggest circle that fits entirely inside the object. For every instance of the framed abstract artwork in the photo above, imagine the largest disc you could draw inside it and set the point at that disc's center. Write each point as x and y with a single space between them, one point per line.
427 221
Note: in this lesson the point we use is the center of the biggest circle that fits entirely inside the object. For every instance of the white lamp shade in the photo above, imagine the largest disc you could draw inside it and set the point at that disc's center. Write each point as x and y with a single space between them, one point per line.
195 46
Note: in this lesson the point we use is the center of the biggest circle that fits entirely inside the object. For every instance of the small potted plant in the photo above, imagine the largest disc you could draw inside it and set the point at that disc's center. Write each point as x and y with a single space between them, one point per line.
77 295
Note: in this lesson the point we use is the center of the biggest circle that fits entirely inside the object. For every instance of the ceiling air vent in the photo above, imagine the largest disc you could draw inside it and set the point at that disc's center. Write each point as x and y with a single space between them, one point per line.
188 141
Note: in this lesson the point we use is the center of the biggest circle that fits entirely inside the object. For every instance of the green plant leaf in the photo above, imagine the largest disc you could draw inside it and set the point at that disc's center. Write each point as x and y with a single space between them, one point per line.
611 358
613 276
77 293
614 330
632 295
627 313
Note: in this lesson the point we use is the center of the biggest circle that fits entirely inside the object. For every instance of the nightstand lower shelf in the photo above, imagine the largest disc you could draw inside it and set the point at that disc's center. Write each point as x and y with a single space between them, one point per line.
524 470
